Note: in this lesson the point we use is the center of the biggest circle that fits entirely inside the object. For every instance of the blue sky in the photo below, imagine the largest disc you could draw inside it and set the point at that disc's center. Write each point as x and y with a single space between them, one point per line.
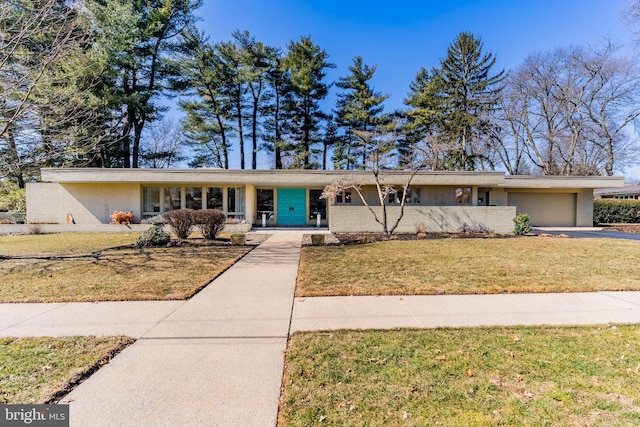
402 36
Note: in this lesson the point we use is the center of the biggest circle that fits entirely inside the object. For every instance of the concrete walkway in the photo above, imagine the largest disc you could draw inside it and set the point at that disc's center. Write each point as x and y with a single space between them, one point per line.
465 310
217 359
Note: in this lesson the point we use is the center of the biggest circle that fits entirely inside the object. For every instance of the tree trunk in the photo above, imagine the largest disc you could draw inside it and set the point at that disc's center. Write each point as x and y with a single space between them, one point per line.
14 157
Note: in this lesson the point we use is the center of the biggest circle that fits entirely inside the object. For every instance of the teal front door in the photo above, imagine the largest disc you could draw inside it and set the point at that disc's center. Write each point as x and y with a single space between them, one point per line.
292 206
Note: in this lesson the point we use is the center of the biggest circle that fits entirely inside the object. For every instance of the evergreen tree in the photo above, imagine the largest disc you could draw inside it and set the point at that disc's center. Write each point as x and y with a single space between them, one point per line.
256 61
207 106
470 94
359 108
423 121
139 38
305 63
274 110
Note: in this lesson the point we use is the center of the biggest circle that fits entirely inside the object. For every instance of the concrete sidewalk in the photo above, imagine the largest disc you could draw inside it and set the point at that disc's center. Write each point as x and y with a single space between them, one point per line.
365 312
216 360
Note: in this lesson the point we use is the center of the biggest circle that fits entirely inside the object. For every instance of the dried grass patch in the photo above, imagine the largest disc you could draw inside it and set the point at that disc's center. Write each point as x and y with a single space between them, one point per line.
470 266
117 275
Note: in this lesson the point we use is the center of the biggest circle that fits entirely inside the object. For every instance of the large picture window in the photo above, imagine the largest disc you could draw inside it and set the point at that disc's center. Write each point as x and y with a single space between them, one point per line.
343 197
413 196
235 202
194 197
172 198
317 205
214 198
265 202
150 201
463 195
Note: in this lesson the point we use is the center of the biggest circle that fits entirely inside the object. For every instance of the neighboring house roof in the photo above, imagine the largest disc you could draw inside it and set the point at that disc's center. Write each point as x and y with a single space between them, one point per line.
627 190
282 177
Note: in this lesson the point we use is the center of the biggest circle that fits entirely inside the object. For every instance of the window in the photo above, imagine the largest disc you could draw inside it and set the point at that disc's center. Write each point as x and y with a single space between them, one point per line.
172 198
235 202
463 195
265 202
150 201
413 196
193 198
317 205
214 198
343 197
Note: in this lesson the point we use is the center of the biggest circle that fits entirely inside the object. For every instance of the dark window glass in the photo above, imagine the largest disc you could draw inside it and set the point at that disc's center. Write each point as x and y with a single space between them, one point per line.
317 205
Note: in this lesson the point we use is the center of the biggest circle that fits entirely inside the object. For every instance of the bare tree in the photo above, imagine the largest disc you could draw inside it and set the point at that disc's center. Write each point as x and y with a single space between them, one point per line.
47 68
569 112
162 145
382 156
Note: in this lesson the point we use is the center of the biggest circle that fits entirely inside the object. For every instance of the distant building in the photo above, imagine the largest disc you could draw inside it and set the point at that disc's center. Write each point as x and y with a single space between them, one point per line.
625 192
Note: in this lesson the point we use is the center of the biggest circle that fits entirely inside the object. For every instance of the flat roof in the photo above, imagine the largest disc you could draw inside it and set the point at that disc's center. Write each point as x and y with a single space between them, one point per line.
305 178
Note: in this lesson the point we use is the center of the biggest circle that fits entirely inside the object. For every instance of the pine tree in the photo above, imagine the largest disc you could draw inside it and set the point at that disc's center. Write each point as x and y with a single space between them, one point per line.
359 108
423 121
305 63
470 94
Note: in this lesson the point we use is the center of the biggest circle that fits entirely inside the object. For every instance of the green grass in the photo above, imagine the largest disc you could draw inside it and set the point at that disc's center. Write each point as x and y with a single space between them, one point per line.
515 376
37 370
470 266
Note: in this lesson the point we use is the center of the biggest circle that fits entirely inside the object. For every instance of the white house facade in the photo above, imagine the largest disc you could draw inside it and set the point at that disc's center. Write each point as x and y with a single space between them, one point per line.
436 201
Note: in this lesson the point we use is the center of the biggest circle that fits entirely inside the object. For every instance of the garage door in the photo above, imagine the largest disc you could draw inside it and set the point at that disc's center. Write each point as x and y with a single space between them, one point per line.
546 210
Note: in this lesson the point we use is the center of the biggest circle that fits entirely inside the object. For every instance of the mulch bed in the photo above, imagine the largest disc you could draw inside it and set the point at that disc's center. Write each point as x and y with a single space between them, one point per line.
627 228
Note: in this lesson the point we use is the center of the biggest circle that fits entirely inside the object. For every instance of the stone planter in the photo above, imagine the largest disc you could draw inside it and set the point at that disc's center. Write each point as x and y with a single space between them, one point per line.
317 239
238 239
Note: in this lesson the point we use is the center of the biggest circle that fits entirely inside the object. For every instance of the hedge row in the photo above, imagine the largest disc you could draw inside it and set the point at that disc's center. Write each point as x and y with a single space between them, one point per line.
616 211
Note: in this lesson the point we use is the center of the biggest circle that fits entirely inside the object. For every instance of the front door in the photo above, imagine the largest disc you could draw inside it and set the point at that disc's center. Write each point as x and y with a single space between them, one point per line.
292 206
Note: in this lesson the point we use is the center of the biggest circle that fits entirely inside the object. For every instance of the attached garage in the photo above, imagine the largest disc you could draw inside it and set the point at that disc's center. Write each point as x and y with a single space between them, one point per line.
546 209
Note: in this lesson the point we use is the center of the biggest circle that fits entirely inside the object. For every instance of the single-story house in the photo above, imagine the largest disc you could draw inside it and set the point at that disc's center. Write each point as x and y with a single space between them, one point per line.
626 192
436 201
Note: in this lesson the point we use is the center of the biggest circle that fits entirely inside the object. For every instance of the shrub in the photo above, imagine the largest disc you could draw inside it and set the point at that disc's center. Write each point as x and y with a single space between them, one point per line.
616 211
523 224
210 222
180 221
35 229
119 217
155 236
156 221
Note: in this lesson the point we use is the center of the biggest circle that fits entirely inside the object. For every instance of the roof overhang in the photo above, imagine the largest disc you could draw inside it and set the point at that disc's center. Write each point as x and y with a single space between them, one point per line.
280 177
529 181
319 178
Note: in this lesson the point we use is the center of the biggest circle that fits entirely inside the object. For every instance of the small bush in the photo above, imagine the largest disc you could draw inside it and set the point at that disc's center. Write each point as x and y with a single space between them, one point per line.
35 229
523 224
155 236
210 222
181 221
119 217
156 221
616 211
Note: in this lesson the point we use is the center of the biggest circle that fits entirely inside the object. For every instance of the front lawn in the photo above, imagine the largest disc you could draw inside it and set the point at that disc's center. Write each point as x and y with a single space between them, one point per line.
470 266
41 370
515 376
82 267
62 243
